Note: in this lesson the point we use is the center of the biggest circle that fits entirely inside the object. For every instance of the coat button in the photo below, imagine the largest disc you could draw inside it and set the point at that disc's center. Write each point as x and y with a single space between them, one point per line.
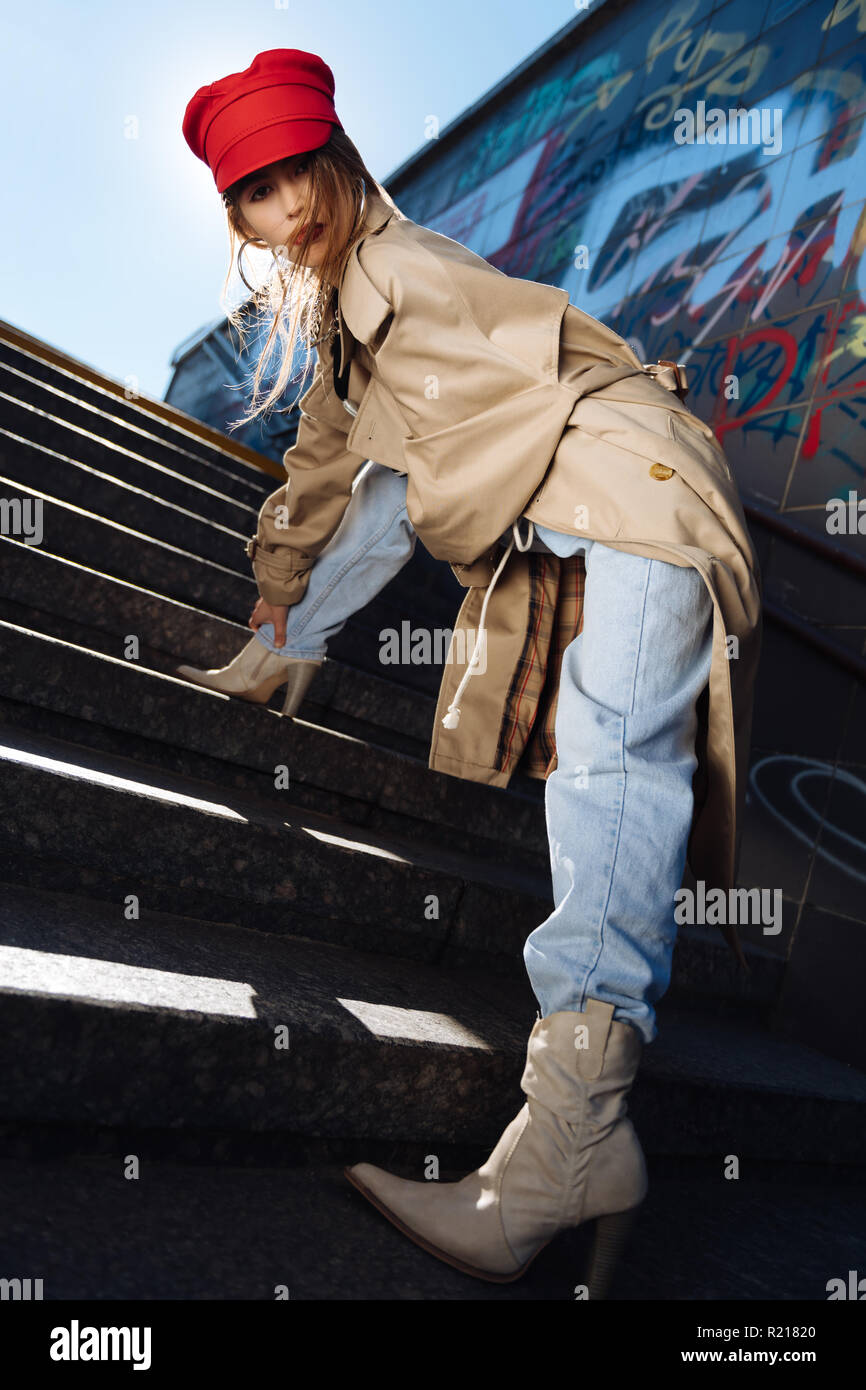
661 470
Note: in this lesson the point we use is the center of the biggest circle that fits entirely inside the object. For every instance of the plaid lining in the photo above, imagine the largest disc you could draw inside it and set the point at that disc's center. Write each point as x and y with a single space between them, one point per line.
528 678
534 688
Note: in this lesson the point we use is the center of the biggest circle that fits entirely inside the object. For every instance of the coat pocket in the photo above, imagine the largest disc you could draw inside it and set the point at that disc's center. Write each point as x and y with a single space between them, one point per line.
378 431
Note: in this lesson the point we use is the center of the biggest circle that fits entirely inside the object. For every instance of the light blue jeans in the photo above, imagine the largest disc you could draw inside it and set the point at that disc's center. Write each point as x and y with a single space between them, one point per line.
373 542
619 804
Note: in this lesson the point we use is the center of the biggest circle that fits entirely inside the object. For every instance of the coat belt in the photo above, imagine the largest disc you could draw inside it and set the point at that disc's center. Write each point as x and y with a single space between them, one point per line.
671 375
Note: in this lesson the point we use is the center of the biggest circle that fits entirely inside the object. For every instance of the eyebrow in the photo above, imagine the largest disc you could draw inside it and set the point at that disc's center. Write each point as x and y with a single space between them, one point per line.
263 173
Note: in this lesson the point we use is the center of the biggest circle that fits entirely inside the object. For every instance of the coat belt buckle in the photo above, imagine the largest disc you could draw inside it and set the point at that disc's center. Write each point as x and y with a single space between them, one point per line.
679 371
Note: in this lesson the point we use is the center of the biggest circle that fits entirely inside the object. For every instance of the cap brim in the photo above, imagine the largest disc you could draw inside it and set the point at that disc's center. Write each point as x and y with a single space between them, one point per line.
262 147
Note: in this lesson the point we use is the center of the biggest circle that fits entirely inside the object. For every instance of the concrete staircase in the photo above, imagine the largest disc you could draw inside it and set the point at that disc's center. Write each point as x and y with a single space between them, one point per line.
171 910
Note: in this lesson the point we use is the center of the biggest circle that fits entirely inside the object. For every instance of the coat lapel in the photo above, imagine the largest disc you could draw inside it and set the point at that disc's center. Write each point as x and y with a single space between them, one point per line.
361 308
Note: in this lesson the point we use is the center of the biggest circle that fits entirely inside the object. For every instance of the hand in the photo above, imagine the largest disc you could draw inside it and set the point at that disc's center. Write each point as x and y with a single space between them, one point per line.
271 613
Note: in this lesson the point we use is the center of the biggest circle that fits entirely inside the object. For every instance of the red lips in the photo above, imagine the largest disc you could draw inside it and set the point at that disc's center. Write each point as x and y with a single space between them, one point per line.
317 233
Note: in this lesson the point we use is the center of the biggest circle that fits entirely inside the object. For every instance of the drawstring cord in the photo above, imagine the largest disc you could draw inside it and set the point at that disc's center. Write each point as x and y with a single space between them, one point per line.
515 531
452 718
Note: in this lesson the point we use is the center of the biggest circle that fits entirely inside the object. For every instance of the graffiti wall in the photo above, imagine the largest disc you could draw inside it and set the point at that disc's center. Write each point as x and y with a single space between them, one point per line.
732 243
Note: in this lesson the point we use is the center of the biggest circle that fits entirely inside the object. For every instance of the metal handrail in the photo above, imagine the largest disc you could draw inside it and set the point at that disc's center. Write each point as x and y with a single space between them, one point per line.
758 511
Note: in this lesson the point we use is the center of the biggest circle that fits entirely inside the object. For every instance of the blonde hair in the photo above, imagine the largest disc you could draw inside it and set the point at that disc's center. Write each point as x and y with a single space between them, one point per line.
339 184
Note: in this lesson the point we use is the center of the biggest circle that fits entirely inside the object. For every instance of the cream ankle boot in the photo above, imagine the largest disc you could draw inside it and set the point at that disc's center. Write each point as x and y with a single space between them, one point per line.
569 1156
255 673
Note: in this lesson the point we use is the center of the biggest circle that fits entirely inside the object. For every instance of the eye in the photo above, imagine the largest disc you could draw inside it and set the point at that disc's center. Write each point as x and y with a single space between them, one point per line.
300 167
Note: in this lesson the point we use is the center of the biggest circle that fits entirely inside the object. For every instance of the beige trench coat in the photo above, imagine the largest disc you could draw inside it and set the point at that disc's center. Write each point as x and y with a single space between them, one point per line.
456 373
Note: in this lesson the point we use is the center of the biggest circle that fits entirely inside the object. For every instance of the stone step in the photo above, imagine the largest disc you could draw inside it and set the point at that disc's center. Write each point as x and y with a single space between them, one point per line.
68 461
342 698
72 532
192 631
93 822
100 825
778 1233
99 1011
61 598
105 545
61 392
241 742
108 547
28 466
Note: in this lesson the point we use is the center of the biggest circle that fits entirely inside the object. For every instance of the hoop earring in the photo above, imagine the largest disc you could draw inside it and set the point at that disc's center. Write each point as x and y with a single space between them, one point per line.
363 198
244 244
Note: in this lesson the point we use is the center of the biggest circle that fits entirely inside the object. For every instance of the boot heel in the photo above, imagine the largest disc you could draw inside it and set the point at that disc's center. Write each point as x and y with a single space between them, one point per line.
289 700
262 693
611 1236
300 677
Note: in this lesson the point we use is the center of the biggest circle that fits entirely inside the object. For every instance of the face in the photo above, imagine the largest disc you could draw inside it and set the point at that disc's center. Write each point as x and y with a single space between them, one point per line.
271 204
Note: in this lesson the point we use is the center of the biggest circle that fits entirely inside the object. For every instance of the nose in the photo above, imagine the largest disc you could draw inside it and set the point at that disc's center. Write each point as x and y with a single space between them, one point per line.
293 213
288 196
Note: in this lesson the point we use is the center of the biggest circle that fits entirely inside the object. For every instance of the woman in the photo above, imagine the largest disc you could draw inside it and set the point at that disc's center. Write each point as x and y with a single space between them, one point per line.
526 445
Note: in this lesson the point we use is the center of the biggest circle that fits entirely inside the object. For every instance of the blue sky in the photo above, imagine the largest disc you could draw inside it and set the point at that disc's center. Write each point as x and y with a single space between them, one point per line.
115 248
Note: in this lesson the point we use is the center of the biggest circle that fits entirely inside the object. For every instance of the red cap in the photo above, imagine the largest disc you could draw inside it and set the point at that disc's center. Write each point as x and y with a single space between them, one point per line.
281 105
